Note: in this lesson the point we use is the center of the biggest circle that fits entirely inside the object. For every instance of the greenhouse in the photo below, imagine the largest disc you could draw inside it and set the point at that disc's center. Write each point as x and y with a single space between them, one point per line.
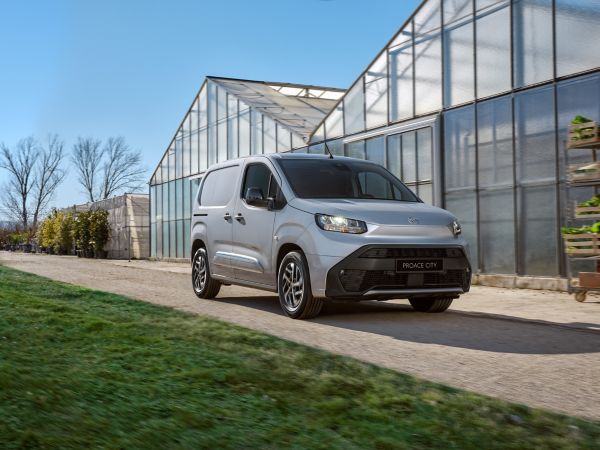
468 104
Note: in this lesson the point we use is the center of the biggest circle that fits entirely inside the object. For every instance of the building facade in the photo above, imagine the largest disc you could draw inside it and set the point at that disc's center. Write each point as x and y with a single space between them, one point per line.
468 104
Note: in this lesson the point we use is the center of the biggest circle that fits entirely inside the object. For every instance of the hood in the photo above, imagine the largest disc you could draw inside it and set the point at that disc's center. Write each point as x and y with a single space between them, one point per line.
381 212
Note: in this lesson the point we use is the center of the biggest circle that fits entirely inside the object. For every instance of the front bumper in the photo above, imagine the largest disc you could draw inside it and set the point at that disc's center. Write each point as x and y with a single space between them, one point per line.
371 273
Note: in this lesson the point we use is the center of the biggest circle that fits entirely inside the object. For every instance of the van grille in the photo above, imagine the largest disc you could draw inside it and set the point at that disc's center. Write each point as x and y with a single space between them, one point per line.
362 280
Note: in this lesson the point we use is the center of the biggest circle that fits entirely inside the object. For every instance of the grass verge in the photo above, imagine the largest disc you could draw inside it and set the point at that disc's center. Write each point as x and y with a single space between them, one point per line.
84 369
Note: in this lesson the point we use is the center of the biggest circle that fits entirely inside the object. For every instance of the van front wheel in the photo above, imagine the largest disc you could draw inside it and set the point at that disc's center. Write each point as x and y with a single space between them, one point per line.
431 305
204 285
293 286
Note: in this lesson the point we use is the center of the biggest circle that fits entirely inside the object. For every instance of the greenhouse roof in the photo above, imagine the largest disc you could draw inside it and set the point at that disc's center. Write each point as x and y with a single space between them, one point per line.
299 108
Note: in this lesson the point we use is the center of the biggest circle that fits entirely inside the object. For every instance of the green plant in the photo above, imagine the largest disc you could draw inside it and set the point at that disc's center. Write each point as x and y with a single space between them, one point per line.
578 120
63 233
99 229
595 228
594 201
81 232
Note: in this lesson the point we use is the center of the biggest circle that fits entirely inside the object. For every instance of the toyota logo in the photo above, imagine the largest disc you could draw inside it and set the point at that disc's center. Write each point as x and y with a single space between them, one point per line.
413 220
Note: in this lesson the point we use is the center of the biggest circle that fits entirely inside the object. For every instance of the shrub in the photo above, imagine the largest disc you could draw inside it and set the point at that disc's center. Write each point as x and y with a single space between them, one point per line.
99 229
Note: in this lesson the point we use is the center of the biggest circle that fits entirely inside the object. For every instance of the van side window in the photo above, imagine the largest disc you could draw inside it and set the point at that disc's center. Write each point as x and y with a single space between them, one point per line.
259 176
219 186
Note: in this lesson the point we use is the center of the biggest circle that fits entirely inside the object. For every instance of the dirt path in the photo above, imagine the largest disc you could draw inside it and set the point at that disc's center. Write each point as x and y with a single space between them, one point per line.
553 365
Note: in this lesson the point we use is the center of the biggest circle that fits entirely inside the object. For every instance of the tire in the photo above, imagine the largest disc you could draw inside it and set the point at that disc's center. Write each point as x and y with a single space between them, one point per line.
203 284
431 305
293 286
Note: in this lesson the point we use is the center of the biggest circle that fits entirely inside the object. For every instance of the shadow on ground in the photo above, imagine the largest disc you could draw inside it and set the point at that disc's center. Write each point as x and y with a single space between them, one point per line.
498 334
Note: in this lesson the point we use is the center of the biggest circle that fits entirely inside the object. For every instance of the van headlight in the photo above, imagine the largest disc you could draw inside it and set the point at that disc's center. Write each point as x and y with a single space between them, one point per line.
340 224
455 227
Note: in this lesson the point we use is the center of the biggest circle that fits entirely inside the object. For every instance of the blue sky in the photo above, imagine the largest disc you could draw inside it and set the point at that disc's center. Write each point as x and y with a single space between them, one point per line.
131 68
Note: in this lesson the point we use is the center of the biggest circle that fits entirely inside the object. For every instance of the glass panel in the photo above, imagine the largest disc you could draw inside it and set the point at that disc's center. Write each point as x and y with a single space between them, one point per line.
532 40
179 154
576 97
158 200
459 147
165 202
425 193
393 154
428 74
336 147
401 82
185 155
153 240
355 149
165 239
457 9
187 199
221 103
537 228
409 157
317 149
179 231
257 133
428 17
194 154
535 135
269 143
354 115
187 245
179 199
334 124
458 62
493 52
319 134
284 139
222 141
232 137
482 4
403 36
244 145
172 239
297 141
463 205
212 144
497 228
494 122
424 154
172 161
202 148
212 103
376 92
202 100
376 150
577 35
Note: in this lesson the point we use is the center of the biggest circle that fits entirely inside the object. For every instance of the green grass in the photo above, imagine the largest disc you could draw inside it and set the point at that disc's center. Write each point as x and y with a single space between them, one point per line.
83 369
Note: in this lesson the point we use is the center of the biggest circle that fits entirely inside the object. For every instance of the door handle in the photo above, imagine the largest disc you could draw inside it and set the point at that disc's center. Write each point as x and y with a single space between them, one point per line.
227 216
239 217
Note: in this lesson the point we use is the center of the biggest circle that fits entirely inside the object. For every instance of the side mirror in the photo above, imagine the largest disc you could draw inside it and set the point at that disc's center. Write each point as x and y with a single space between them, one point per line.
255 197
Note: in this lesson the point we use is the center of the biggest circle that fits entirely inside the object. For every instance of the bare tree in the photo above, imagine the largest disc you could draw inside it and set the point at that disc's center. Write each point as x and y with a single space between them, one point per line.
48 175
87 157
106 170
122 169
20 163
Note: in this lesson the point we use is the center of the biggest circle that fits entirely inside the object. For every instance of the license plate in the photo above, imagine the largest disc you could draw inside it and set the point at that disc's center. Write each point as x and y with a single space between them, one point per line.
419 265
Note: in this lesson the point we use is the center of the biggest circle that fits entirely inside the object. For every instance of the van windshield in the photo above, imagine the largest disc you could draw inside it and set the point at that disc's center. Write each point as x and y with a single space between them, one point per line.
331 178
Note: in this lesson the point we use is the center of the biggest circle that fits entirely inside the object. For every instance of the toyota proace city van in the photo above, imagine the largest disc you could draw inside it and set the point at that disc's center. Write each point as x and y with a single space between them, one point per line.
313 228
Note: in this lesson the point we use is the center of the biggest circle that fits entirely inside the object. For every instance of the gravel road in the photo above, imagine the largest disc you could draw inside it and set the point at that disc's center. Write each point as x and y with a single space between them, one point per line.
552 364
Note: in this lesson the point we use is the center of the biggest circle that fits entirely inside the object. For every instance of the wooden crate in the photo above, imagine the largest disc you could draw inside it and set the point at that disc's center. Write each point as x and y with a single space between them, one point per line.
589 279
587 212
583 134
584 244
582 177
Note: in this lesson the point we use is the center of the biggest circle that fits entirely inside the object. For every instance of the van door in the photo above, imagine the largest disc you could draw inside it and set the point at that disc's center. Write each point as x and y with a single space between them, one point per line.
215 212
253 226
